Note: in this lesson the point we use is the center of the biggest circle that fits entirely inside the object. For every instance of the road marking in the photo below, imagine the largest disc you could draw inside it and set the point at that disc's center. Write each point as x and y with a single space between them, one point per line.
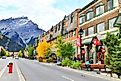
67 78
3 70
21 77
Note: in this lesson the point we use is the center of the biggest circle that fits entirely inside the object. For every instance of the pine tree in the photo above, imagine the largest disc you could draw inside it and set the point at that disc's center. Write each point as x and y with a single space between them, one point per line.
116 60
113 58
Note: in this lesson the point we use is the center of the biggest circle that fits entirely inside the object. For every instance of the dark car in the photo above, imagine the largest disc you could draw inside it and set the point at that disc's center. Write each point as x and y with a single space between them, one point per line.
3 57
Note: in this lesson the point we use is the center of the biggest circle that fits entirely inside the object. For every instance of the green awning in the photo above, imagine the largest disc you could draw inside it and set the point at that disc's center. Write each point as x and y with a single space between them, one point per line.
87 41
118 21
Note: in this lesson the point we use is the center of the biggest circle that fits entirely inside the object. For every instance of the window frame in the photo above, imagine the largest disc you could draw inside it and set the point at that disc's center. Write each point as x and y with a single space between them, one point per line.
113 23
97 27
99 6
82 17
90 12
90 28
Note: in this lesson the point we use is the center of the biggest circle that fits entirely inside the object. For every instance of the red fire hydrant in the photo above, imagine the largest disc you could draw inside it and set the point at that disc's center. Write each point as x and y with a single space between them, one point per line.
10 66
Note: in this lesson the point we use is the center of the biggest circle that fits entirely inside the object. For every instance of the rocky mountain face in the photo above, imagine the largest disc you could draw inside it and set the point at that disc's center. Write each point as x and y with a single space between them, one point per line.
19 31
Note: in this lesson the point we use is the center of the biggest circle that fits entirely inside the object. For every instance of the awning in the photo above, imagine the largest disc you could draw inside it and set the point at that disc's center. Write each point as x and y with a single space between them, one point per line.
87 41
118 21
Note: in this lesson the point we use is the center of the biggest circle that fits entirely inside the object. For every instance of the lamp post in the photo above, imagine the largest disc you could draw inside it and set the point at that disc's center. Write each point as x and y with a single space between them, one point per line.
81 33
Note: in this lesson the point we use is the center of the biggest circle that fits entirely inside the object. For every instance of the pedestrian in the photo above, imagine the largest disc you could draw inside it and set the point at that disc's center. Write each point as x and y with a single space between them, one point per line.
87 64
91 60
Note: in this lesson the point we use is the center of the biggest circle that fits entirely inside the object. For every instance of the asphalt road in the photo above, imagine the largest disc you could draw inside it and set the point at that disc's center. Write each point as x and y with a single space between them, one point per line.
3 63
35 71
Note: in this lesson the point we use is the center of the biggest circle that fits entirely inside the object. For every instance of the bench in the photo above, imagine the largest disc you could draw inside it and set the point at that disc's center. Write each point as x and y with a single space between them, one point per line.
83 66
94 66
98 66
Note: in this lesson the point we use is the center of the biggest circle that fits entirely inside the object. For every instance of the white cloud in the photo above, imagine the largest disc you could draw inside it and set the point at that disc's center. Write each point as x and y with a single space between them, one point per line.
41 12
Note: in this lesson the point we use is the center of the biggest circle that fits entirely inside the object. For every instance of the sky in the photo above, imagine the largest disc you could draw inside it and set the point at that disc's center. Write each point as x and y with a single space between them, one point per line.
44 13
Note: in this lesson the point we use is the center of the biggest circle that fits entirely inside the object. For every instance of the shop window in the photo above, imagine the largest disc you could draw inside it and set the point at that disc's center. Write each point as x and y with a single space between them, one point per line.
90 30
111 22
99 9
82 19
100 27
74 33
84 34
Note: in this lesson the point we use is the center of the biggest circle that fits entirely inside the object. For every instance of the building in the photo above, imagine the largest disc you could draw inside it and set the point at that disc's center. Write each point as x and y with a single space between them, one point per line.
68 28
96 19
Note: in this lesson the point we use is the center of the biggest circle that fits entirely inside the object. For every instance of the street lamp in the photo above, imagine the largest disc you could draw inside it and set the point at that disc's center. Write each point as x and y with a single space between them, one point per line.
81 33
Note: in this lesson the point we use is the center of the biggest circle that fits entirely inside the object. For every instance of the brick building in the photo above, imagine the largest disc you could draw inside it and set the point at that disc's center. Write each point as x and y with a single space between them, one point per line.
96 19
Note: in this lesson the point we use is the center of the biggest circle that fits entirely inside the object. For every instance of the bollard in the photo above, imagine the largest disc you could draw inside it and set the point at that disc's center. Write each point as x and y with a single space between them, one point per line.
10 66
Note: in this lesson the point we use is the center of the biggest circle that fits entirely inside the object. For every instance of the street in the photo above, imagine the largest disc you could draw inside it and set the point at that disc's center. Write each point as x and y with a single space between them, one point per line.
33 70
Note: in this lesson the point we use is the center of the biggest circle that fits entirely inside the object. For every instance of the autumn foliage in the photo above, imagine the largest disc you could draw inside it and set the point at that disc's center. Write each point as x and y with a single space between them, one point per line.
43 49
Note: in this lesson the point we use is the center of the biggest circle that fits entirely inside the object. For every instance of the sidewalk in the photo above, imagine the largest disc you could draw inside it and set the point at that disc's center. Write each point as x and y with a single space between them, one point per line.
90 73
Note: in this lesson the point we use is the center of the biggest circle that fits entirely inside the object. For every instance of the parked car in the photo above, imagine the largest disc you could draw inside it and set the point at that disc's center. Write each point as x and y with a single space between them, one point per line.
3 57
16 57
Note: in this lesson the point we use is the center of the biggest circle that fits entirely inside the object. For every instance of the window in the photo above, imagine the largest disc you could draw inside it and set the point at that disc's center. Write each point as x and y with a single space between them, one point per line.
89 15
99 9
115 3
90 30
55 29
72 17
112 4
100 27
83 33
74 33
111 22
82 19
58 26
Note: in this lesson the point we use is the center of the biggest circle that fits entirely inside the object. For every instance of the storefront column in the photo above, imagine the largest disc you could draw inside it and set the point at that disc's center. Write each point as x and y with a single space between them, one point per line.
94 54
86 54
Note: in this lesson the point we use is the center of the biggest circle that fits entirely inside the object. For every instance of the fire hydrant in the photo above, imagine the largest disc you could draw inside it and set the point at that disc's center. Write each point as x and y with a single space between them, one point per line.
10 66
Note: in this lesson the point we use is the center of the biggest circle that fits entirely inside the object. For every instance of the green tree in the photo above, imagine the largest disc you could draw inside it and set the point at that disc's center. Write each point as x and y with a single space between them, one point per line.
116 60
20 53
30 50
3 52
113 57
67 50
59 46
64 49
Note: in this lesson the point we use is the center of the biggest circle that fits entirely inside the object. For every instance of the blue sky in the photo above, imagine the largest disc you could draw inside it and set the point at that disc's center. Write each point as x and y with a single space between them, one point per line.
43 12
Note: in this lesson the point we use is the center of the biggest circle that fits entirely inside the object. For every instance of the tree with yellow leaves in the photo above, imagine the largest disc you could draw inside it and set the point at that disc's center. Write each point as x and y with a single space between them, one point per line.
43 50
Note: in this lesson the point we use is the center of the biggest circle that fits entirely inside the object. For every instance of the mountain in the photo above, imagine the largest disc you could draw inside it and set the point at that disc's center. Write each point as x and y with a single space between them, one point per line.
21 31
9 44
